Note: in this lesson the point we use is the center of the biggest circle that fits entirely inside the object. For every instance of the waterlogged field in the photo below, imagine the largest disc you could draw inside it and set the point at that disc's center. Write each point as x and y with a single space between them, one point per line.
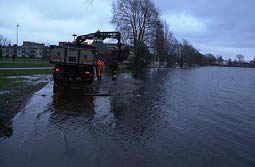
167 117
16 87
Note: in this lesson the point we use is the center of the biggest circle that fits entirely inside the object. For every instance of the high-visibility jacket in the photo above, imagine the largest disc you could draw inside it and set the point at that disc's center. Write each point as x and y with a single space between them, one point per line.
99 64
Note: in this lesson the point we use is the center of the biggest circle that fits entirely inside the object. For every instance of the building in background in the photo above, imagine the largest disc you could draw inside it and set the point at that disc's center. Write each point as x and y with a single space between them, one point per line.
27 50
31 50
7 51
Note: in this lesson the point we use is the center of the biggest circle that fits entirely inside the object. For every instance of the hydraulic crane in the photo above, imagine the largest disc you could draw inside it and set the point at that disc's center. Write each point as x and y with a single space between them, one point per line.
99 35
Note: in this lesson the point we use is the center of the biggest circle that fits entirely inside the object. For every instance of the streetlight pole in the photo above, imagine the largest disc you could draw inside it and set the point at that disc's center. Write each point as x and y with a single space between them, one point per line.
17 42
74 36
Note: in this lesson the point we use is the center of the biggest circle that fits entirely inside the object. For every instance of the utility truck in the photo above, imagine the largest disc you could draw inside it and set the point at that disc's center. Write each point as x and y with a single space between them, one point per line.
75 61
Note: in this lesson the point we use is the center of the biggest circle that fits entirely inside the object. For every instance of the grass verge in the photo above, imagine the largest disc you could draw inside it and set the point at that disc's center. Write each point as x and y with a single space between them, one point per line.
5 73
24 65
28 60
14 92
24 62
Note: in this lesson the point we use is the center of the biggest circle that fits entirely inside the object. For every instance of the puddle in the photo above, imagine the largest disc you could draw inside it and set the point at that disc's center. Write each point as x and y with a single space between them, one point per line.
2 92
33 79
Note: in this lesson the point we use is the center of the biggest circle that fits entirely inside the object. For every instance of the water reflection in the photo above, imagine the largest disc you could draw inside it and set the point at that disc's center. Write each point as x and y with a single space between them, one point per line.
164 117
73 101
138 115
126 111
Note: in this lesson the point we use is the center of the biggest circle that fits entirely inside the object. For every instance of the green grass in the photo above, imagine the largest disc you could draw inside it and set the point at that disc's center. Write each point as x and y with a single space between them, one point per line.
14 83
4 83
10 83
4 73
13 98
24 62
23 65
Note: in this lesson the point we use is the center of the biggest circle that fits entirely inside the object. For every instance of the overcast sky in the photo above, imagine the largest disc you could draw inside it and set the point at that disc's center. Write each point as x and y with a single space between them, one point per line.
221 27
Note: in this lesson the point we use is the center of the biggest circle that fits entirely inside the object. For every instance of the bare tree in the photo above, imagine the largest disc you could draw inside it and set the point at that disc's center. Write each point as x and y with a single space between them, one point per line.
187 51
230 62
135 19
163 41
219 59
170 44
190 55
88 3
4 41
160 42
240 58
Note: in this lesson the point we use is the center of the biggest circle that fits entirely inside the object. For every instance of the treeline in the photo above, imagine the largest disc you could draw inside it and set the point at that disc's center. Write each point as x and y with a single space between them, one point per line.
152 40
239 61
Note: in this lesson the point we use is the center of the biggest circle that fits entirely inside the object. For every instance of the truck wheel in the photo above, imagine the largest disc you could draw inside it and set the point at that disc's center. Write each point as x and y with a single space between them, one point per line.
55 88
56 82
91 80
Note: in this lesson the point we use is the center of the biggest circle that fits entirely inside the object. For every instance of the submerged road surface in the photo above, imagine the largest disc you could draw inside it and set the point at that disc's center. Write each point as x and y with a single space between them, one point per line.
167 117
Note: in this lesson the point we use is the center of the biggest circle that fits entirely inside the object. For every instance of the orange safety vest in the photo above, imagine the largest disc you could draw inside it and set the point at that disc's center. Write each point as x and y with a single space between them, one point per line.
99 64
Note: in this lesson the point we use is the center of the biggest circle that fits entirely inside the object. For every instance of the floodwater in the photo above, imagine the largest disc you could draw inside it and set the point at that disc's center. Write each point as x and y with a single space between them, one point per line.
168 117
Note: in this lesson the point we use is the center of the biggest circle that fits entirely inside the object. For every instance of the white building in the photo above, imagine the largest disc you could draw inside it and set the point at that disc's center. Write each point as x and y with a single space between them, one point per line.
7 51
27 50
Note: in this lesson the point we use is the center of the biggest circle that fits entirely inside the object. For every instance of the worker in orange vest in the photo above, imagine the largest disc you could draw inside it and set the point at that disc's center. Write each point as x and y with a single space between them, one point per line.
99 68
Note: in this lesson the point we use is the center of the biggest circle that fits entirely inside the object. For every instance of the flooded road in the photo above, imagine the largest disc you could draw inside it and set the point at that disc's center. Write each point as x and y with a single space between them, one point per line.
167 117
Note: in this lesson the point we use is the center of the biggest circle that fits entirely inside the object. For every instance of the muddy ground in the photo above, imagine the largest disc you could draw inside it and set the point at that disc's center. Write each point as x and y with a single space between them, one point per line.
14 96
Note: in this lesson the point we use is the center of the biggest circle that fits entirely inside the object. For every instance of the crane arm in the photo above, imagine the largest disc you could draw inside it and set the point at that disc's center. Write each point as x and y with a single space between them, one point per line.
99 35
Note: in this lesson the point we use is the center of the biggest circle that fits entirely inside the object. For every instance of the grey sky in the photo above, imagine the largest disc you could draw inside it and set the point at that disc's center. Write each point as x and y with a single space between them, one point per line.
223 27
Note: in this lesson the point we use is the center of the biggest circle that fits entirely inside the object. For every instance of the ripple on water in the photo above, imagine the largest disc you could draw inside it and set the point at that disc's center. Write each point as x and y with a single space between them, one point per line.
166 117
